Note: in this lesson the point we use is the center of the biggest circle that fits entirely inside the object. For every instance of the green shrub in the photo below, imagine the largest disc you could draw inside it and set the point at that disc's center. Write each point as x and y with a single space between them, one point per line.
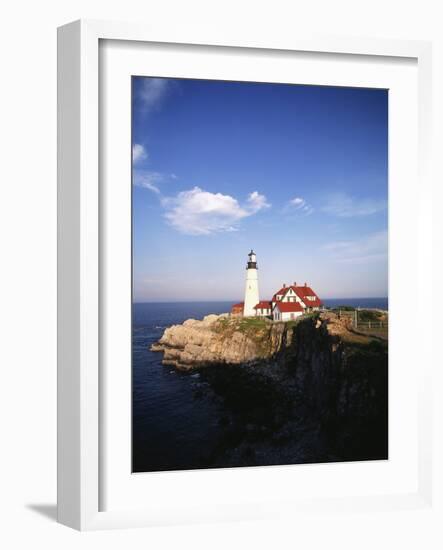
366 315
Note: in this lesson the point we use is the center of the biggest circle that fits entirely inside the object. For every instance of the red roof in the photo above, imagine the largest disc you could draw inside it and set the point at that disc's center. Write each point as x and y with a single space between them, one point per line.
237 308
282 290
264 304
289 307
302 292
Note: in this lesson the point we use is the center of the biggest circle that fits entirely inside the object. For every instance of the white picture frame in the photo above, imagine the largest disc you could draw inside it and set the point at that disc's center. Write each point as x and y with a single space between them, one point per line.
79 271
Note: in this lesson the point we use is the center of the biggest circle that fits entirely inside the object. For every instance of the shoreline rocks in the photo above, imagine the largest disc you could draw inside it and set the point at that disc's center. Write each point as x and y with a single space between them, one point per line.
313 378
222 339
219 339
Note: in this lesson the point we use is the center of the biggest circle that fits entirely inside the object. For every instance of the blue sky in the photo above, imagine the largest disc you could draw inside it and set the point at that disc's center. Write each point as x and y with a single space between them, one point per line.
299 173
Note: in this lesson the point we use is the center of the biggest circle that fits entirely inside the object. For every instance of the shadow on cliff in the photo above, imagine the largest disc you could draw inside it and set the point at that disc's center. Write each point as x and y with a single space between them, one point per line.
321 398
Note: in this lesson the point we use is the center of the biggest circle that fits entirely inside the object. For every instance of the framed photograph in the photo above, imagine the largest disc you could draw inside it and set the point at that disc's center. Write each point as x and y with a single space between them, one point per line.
242 254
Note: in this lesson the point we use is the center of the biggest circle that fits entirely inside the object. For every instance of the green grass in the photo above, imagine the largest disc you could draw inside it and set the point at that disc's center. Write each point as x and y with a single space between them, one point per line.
223 322
247 323
253 326
369 315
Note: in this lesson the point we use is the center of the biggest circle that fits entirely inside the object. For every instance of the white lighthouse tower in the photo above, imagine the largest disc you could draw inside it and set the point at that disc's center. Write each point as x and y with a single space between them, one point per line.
251 290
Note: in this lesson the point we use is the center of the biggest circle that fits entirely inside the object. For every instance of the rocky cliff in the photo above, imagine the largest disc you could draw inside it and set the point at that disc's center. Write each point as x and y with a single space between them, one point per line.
312 382
220 339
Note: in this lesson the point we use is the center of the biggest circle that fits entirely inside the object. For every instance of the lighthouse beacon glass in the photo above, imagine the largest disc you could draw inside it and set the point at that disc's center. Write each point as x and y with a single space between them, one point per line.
259 274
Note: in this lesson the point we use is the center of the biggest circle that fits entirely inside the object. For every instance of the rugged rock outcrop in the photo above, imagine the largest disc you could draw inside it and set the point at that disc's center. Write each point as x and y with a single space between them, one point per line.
221 339
311 382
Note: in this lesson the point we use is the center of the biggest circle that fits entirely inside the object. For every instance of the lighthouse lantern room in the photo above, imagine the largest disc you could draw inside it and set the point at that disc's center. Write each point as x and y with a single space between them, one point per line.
251 289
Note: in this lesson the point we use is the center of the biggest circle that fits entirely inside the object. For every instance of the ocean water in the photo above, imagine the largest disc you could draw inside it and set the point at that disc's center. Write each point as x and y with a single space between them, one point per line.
377 303
176 417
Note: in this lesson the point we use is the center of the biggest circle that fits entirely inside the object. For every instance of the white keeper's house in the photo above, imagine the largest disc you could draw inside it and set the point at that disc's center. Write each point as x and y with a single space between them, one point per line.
288 303
294 300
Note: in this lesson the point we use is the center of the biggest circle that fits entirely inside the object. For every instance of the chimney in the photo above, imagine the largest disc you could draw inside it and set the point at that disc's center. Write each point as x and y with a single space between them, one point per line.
306 284
284 285
295 284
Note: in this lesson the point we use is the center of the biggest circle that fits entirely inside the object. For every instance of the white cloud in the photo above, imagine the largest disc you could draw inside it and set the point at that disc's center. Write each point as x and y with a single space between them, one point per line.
148 180
151 180
299 206
345 206
152 92
257 202
199 212
366 249
297 202
138 153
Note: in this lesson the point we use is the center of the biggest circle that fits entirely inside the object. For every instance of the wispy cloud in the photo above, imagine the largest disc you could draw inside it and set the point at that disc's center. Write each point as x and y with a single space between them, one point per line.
298 206
256 202
366 249
345 206
152 93
148 180
199 212
297 202
139 153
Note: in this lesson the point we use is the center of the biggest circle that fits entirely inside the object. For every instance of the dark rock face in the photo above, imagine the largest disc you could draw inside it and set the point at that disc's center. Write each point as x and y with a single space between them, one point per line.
344 382
308 391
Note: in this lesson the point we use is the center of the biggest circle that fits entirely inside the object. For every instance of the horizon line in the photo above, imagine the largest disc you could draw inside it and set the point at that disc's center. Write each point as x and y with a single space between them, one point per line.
236 300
